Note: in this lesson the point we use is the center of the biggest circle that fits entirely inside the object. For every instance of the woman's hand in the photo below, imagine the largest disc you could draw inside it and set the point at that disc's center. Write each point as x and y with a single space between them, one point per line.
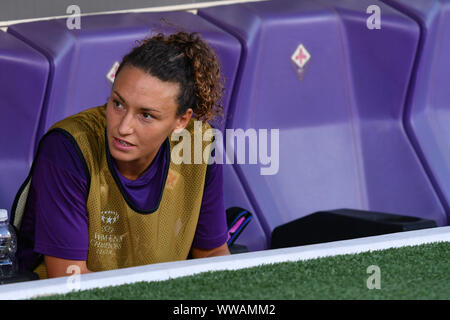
202 253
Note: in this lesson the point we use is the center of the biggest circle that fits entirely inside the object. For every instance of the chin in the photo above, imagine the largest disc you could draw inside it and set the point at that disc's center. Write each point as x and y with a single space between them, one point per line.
119 155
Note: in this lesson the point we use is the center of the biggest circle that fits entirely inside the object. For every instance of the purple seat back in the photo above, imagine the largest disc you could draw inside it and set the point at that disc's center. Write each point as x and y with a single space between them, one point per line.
427 115
23 78
342 143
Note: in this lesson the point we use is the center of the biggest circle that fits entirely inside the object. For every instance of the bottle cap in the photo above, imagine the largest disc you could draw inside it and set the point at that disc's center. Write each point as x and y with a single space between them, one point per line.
3 215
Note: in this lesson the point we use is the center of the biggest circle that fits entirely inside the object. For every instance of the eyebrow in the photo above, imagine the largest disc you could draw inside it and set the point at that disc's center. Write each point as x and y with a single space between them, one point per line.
141 109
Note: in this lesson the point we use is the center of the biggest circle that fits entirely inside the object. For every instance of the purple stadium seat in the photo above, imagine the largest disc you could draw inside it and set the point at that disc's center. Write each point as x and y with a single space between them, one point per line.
81 59
23 78
342 143
427 111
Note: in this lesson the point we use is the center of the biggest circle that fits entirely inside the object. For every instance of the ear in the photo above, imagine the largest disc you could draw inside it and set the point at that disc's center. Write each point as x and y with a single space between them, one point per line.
183 120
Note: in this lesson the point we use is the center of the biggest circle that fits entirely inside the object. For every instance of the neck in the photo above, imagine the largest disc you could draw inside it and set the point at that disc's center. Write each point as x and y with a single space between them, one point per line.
132 170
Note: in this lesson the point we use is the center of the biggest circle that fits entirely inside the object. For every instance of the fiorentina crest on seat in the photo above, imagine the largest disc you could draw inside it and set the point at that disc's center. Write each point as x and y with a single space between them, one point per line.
111 75
300 58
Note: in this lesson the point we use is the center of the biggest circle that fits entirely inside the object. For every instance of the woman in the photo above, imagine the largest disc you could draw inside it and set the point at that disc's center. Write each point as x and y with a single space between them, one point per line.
104 193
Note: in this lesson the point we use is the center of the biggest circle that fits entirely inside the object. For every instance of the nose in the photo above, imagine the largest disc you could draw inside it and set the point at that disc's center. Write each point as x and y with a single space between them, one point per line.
126 124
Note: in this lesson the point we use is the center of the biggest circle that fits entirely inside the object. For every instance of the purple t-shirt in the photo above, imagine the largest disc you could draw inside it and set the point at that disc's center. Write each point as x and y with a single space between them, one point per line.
55 221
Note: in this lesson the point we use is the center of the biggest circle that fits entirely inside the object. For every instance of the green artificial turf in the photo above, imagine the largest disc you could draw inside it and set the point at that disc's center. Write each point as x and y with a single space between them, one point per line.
416 272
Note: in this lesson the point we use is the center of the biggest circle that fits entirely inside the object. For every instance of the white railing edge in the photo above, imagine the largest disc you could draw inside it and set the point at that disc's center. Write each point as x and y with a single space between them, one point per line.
171 270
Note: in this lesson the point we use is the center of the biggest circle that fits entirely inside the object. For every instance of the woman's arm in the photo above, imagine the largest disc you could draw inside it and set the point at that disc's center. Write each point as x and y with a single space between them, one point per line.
55 219
57 267
204 253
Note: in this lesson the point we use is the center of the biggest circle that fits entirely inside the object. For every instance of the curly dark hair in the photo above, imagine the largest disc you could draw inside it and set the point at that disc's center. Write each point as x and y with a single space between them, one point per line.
183 58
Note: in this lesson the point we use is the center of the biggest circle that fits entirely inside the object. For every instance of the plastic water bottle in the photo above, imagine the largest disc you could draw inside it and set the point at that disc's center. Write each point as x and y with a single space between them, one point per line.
8 247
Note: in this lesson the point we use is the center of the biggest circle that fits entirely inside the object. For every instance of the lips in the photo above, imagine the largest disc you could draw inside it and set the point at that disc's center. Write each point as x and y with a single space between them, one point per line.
121 140
122 144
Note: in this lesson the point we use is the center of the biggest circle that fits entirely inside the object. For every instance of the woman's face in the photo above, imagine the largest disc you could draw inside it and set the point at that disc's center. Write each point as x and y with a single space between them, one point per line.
140 115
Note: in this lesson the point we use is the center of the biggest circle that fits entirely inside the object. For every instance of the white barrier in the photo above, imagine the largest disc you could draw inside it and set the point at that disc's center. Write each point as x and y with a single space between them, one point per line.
170 270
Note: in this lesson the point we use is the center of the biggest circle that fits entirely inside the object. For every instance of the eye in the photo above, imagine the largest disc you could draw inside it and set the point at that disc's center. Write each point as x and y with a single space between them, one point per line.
147 116
117 104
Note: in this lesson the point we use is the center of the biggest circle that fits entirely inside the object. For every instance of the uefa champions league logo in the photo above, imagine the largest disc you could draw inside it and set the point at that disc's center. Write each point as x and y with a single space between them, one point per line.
109 217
